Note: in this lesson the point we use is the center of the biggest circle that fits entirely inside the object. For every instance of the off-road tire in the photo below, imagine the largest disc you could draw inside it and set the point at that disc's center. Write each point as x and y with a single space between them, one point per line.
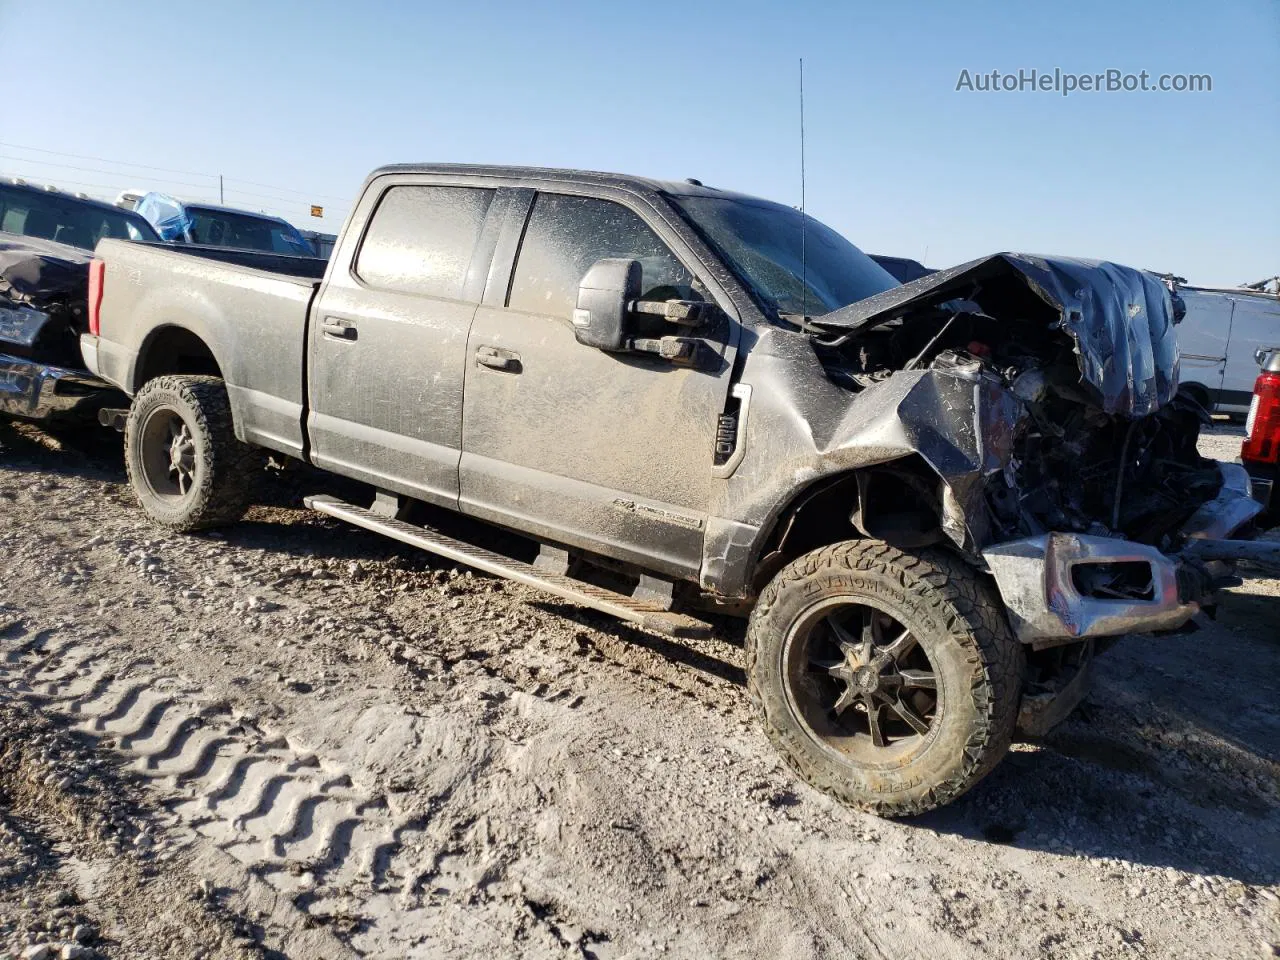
227 470
955 616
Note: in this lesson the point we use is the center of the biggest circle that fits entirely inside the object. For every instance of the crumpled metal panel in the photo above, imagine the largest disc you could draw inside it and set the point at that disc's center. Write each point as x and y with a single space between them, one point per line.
1121 319
957 418
1231 509
36 272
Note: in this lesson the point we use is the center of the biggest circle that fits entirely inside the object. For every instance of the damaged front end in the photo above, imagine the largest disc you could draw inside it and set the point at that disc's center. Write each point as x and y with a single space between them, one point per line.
43 300
1043 393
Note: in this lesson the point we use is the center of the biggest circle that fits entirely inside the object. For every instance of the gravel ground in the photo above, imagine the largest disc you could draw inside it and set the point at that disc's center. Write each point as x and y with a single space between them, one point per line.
296 739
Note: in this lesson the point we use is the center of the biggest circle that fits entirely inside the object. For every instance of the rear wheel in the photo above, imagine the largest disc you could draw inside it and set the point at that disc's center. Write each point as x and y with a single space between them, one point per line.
887 679
185 464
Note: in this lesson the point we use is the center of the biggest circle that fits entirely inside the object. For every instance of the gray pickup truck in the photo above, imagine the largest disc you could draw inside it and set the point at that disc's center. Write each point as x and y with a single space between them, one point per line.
932 500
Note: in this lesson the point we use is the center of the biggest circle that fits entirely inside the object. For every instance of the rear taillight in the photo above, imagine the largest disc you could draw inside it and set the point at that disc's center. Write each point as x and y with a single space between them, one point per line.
1262 445
97 273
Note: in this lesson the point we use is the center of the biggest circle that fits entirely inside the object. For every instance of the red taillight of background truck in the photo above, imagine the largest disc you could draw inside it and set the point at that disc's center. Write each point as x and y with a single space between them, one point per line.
1263 442
97 273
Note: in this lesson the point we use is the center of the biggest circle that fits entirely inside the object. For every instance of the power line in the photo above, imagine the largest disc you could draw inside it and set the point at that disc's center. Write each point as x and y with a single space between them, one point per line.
118 163
304 193
304 199
71 166
143 166
79 183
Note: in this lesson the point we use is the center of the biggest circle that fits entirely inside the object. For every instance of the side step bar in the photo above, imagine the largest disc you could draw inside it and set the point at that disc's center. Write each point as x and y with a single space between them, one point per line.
650 616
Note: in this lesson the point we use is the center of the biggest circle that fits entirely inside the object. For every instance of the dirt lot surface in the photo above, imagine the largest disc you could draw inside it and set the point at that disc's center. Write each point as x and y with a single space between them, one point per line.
295 739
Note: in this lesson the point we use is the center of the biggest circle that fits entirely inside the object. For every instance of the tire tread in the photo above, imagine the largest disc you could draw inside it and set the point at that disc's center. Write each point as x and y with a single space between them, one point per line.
973 615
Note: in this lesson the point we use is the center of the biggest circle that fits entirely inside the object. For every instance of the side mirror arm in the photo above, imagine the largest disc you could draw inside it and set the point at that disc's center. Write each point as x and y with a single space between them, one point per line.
682 351
682 313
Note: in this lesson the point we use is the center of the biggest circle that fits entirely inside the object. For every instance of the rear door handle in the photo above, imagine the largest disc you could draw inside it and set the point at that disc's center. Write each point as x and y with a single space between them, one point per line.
496 358
338 329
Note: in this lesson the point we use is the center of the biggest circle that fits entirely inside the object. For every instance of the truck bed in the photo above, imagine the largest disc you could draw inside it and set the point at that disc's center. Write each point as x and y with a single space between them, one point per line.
248 309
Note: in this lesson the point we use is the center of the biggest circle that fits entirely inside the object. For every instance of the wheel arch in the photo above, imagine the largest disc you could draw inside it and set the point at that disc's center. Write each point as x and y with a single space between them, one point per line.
172 348
899 502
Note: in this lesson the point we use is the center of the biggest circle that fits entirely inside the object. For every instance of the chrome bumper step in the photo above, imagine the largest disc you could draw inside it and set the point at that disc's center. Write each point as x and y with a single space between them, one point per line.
650 616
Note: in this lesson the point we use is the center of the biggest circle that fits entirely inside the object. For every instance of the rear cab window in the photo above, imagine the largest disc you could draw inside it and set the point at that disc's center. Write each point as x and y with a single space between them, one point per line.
421 239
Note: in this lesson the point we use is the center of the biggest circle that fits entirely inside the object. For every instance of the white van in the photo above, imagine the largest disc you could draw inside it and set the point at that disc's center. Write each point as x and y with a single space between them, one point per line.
1220 338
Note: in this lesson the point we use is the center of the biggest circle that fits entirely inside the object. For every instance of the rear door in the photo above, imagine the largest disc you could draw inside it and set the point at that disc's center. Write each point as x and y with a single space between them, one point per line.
611 452
388 335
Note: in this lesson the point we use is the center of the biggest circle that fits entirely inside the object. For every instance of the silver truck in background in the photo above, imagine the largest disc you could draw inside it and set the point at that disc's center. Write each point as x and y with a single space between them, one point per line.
934 501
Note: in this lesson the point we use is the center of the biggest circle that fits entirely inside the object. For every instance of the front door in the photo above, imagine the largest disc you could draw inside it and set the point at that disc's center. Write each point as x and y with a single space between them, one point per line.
610 452
388 340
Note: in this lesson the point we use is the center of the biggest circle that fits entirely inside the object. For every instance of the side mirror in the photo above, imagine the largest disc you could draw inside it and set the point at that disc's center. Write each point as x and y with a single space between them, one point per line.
604 295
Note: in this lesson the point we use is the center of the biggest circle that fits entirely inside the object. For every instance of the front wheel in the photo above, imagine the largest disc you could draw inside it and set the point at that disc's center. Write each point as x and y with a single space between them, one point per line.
186 467
889 680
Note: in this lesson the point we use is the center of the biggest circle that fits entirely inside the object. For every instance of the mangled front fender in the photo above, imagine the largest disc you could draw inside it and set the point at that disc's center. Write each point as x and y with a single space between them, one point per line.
957 418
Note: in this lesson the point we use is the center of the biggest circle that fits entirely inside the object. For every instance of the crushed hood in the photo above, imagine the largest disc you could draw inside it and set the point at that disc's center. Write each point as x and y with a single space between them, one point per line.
36 272
1120 319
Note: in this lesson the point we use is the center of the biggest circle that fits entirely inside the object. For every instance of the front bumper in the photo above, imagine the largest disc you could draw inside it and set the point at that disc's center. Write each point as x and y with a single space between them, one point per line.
38 391
1046 603
1049 597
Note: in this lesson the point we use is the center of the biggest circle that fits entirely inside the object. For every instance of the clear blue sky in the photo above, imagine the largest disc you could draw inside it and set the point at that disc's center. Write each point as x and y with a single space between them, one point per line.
305 98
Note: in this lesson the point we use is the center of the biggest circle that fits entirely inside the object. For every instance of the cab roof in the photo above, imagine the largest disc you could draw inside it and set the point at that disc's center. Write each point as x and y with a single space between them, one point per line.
592 177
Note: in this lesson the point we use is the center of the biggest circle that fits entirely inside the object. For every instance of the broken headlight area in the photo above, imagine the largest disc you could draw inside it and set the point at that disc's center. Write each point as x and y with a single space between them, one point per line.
50 336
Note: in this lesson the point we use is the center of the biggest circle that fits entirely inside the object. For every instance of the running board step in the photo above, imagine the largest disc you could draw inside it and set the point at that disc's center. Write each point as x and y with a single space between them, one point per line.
650 616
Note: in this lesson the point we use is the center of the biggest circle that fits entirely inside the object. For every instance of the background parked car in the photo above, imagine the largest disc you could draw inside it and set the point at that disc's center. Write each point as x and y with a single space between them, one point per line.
902 269
46 241
215 226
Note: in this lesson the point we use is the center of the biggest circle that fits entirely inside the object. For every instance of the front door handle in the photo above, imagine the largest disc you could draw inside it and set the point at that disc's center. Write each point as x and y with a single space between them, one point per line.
338 329
496 358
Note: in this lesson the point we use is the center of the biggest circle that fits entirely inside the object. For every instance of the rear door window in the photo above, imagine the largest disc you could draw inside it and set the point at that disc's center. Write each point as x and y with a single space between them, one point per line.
566 235
421 239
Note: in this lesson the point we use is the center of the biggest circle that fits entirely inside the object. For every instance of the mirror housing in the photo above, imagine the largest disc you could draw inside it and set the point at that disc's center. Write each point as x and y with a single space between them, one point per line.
604 297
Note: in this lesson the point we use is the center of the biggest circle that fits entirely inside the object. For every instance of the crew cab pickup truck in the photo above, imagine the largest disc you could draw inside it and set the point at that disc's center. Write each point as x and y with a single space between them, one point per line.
933 501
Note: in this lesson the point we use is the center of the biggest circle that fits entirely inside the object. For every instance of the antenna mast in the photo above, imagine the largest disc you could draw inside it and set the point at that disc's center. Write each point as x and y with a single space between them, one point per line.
804 273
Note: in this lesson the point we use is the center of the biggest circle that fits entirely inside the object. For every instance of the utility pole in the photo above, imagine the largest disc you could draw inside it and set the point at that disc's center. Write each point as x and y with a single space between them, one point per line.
221 199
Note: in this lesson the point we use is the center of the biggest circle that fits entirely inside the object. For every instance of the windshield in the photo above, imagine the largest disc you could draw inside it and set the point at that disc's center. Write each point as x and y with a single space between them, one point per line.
64 219
761 242
220 228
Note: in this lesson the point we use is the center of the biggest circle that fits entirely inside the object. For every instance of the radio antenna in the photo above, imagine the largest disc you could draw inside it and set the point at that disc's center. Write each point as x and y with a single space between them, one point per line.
804 273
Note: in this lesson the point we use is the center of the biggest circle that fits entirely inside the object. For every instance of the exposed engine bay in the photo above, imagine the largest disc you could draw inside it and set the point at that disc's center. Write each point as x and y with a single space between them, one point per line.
1080 427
